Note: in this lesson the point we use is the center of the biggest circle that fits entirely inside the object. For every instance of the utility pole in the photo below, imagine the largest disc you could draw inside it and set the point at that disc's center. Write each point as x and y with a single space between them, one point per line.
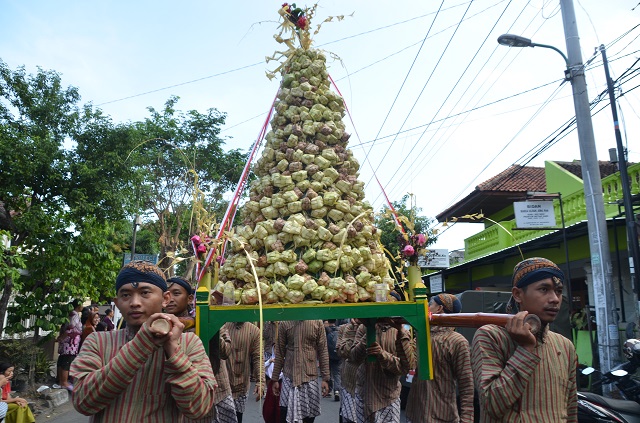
604 296
632 232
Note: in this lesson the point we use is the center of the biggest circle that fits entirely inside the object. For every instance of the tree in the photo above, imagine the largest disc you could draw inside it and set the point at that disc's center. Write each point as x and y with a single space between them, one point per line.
72 180
64 252
174 155
391 233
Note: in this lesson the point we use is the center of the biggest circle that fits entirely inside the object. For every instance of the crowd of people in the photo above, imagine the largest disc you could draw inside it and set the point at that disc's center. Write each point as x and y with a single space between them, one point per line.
160 372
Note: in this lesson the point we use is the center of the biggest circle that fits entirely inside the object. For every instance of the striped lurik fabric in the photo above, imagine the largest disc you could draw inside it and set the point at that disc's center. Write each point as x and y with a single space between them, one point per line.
302 344
269 337
244 356
119 381
219 366
515 385
435 400
346 337
378 382
219 350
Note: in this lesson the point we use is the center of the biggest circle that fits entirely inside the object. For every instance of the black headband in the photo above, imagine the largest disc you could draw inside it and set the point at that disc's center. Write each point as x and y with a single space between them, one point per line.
538 275
132 275
183 283
454 307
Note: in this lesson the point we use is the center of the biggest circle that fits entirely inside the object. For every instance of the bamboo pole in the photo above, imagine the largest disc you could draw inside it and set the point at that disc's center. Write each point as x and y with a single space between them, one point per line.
476 320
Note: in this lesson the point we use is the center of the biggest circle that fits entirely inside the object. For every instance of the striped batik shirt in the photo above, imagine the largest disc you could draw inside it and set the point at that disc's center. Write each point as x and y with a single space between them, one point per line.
269 337
346 336
515 385
218 358
435 400
301 346
245 353
118 381
378 382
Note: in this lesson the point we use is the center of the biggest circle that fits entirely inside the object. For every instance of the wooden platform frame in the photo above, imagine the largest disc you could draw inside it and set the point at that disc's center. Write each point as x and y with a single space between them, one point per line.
209 319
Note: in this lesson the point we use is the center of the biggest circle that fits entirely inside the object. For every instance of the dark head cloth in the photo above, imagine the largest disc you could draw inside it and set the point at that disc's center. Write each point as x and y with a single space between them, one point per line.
141 271
450 303
183 283
533 270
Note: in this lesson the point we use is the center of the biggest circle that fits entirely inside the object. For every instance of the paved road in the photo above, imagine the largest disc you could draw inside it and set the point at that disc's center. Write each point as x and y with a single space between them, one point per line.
66 413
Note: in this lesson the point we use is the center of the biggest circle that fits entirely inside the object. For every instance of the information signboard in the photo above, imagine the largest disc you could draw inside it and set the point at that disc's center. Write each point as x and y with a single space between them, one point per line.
153 258
436 284
534 214
435 259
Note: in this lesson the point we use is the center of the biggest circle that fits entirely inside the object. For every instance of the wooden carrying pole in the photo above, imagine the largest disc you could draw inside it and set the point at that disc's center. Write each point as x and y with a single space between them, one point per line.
476 320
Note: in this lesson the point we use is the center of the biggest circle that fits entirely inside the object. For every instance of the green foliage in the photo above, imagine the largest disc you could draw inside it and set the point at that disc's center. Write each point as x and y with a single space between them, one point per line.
409 216
71 181
169 149
29 360
67 251
12 262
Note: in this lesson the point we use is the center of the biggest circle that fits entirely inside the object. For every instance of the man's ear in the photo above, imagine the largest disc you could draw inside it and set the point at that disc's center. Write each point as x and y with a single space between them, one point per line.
517 294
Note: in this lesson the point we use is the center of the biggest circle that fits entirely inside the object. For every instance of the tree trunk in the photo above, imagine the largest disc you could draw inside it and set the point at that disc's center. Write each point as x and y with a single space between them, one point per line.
4 300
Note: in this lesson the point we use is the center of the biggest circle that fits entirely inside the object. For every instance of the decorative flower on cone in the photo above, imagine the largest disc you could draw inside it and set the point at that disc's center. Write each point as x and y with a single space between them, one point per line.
412 247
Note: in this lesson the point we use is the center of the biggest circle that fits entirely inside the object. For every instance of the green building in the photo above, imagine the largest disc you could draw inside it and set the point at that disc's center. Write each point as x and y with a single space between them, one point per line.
491 254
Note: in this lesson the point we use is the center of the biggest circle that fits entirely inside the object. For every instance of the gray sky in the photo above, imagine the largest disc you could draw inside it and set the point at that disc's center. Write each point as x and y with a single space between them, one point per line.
447 107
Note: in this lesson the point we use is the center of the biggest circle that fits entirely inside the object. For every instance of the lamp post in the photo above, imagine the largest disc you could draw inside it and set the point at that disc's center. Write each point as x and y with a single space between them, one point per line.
604 296
136 222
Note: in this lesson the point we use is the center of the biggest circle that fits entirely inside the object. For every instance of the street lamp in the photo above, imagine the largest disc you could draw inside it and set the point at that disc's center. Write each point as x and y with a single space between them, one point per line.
604 296
511 40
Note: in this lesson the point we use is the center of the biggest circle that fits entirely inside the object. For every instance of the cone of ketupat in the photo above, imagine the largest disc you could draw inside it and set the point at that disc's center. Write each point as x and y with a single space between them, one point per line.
307 235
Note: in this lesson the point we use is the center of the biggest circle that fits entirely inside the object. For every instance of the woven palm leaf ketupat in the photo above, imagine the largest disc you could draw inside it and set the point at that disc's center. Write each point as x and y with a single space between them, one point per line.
306 227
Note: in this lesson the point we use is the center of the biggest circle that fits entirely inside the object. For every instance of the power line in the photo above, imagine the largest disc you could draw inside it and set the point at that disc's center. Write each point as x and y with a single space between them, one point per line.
451 92
259 63
424 163
424 86
559 134
477 91
366 157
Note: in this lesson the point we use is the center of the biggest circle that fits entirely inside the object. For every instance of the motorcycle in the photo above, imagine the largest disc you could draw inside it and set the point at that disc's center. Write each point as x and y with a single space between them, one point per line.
594 408
599 409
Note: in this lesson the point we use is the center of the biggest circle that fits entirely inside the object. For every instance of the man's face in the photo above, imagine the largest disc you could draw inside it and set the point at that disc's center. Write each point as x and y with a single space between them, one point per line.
434 307
542 298
178 299
138 303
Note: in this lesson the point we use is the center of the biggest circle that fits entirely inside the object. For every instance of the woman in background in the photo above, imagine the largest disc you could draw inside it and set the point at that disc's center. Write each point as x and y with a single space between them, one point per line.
89 325
18 411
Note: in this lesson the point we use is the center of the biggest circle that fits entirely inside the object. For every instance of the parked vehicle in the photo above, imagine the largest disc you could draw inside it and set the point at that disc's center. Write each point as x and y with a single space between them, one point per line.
596 408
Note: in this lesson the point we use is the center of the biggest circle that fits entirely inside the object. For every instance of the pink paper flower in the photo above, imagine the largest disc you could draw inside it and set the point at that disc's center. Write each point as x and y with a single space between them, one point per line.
201 249
408 250
302 22
196 239
421 239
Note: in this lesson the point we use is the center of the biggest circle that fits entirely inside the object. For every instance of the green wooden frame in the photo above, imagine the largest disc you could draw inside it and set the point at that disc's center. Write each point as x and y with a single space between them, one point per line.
209 319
